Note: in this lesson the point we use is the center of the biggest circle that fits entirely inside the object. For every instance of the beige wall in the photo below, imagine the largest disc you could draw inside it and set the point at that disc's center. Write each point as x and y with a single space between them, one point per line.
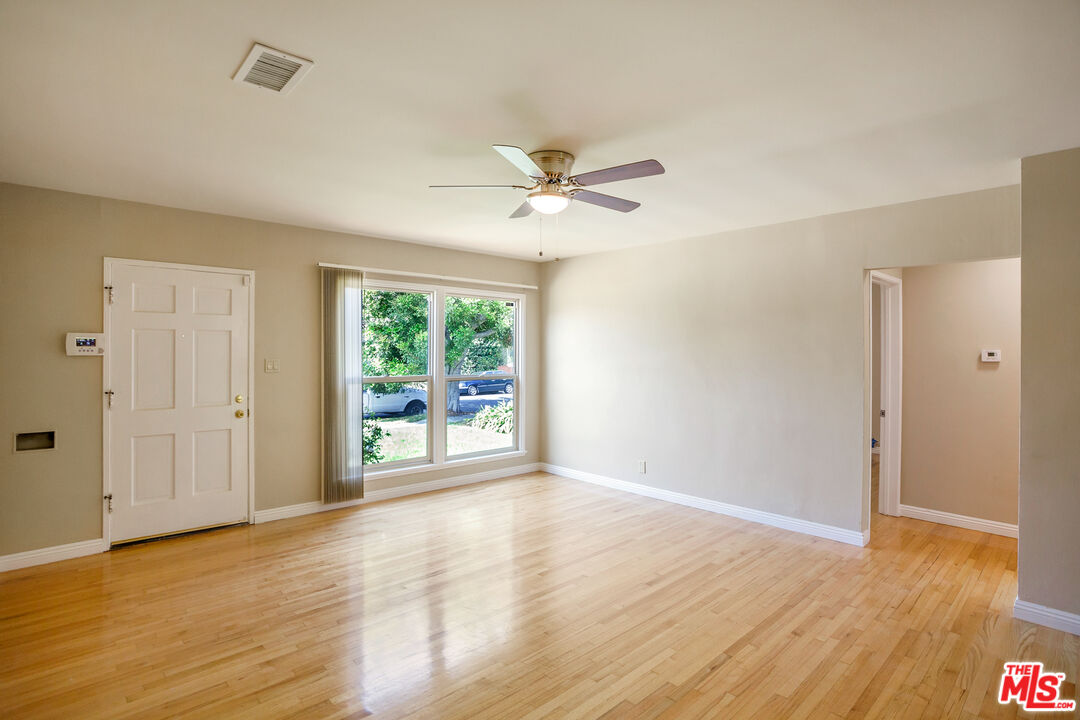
51 250
961 429
1049 562
738 364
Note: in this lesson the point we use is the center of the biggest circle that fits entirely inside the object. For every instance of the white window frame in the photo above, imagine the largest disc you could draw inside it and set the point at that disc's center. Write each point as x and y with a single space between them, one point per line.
428 379
436 407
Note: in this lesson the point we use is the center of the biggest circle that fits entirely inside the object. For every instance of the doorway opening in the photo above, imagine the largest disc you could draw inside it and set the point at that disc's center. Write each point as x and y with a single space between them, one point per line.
887 337
944 359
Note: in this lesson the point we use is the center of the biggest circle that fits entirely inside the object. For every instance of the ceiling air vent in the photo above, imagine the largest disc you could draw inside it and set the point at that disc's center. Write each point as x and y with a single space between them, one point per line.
272 69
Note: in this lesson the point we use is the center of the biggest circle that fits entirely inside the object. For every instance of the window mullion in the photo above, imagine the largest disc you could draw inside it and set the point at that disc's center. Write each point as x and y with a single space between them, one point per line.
437 408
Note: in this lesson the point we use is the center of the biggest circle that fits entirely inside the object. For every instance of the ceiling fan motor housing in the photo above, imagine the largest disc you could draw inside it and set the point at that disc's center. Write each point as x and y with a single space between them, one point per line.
555 163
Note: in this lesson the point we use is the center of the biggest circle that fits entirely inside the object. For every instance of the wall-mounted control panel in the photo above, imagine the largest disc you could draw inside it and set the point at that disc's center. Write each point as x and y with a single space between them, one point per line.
991 355
85 344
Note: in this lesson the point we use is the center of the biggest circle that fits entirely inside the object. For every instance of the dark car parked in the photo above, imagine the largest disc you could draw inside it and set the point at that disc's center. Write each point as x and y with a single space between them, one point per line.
494 384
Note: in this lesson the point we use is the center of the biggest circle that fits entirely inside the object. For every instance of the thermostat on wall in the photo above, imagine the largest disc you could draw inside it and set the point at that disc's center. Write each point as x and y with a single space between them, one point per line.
83 344
993 355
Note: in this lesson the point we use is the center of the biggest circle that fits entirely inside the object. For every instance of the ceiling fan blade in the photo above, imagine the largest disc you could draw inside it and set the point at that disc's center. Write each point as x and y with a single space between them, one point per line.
479 187
524 209
613 203
520 159
619 172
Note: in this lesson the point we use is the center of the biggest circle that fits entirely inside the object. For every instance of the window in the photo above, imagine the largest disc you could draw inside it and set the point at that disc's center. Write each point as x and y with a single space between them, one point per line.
479 360
396 384
440 375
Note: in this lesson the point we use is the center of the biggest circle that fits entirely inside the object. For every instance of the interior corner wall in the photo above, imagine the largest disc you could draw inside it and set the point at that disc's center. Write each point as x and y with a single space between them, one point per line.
737 365
1049 556
52 246
961 425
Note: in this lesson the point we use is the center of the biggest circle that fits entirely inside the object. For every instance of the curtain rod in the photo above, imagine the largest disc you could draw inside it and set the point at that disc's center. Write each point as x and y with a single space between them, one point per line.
430 276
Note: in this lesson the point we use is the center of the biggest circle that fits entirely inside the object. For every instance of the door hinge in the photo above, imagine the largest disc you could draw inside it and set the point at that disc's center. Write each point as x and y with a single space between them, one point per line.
882 413
112 295
108 499
109 396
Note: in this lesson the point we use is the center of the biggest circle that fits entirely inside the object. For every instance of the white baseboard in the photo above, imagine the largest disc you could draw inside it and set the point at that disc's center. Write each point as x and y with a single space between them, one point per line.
964 521
51 554
288 511
830 532
90 547
1042 615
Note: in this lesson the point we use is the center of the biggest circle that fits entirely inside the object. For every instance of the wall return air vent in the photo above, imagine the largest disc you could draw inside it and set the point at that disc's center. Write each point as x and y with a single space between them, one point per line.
272 69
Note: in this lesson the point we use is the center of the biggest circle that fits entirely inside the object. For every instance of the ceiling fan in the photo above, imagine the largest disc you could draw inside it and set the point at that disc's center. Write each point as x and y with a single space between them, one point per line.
554 187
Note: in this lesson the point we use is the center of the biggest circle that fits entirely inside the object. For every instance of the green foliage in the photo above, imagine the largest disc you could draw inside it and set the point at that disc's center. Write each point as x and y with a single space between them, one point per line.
395 333
479 334
497 418
373 435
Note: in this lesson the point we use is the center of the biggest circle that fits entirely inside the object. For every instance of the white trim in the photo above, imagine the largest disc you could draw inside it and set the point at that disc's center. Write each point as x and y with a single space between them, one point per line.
249 280
106 416
52 554
429 467
429 276
993 527
180 266
438 414
288 511
1048 616
892 394
829 532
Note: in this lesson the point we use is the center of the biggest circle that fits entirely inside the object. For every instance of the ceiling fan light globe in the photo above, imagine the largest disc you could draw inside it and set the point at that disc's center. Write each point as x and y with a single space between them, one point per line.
549 202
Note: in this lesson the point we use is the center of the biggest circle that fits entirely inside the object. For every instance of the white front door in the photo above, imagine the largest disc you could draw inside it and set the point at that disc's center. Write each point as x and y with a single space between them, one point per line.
178 431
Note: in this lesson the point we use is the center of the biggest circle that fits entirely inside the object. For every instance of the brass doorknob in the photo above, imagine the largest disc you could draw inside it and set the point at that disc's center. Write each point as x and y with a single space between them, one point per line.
239 399
239 413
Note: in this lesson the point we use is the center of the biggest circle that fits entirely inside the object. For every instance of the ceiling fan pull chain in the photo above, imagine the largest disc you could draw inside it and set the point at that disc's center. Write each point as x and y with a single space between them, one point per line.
556 232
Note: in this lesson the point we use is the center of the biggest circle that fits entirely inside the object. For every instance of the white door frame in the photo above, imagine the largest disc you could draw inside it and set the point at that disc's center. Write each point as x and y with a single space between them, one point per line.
106 379
892 376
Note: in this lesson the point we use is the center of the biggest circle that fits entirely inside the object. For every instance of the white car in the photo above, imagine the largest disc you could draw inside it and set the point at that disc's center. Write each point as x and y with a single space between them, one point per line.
407 400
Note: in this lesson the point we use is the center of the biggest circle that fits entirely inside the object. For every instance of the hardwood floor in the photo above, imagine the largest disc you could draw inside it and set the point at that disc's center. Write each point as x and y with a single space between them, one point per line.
529 597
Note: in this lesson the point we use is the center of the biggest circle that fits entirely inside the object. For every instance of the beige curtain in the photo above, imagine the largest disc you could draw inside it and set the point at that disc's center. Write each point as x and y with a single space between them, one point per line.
343 411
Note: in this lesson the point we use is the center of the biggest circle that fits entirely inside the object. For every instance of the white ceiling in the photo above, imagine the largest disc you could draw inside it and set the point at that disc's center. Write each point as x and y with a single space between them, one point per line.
762 111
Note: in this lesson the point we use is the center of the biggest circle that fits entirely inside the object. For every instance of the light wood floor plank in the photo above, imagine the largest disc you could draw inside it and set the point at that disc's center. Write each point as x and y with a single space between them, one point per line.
529 597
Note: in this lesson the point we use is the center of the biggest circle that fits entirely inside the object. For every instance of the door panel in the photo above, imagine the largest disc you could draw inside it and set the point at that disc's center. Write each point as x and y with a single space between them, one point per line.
153 468
212 300
213 461
153 298
213 369
178 361
154 378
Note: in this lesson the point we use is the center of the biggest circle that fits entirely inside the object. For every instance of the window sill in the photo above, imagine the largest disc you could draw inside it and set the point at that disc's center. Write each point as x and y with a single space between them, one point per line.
432 467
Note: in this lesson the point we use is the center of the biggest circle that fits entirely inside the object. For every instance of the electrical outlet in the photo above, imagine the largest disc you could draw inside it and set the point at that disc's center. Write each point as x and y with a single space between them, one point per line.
271 366
641 467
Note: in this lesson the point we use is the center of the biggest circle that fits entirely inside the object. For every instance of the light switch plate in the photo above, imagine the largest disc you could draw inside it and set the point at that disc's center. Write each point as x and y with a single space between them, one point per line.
271 365
991 355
